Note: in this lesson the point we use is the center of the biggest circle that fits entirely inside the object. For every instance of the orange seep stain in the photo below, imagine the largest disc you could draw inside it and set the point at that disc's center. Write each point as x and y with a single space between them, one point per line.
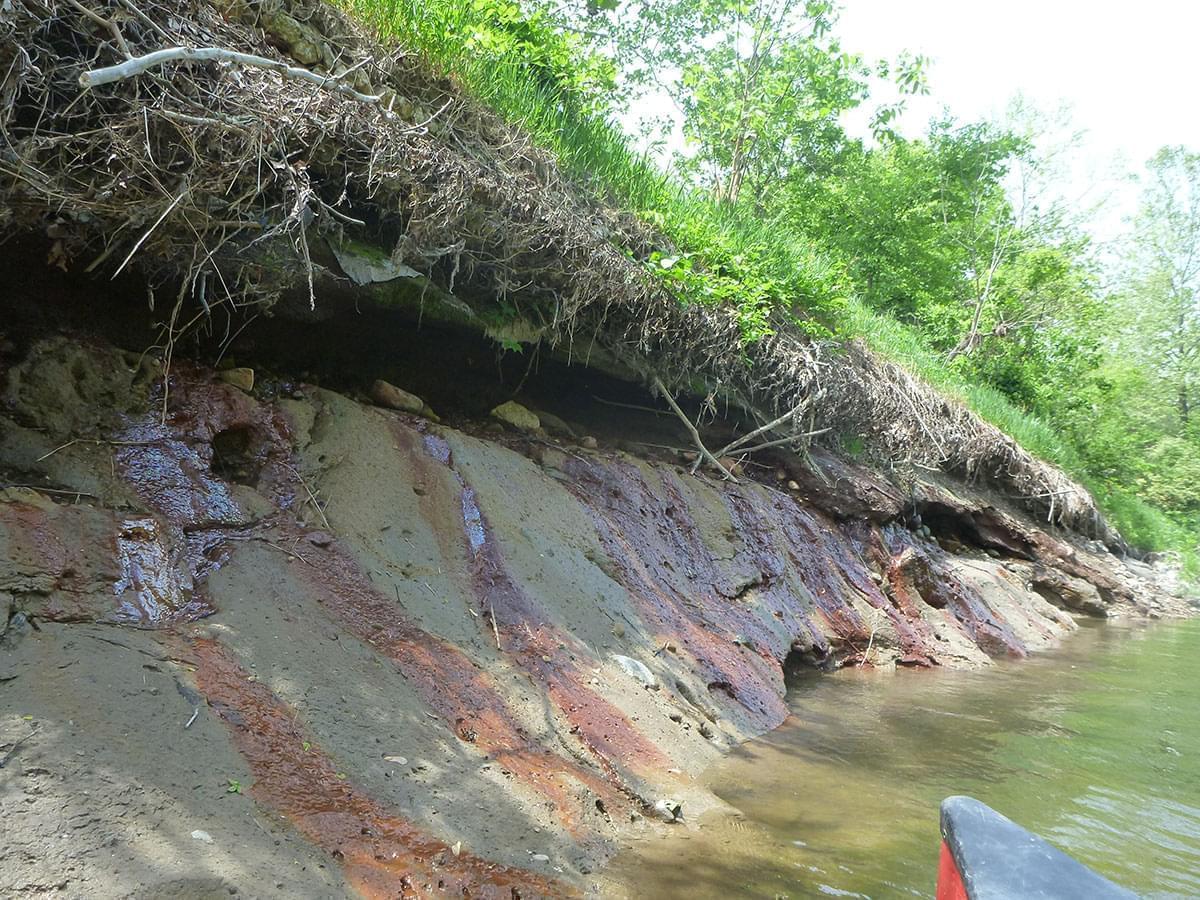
382 854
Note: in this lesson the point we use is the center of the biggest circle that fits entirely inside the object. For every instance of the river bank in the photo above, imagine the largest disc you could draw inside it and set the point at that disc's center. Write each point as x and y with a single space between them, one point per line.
250 617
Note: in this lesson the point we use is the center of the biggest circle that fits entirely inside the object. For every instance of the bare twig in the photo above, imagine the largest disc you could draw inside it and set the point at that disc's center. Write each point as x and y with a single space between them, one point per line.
770 426
149 231
139 64
617 403
790 439
874 625
105 23
311 495
45 490
704 451
74 441
17 746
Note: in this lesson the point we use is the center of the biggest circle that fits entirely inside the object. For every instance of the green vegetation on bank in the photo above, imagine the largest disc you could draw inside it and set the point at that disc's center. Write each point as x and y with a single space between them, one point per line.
948 254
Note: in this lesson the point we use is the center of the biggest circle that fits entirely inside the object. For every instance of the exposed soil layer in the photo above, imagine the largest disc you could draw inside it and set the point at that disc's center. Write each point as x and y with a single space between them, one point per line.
288 643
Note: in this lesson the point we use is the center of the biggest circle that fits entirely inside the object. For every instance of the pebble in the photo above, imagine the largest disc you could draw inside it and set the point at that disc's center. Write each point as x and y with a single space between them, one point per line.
514 414
637 669
241 378
320 538
385 394
540 857
589 443
202 836
668 810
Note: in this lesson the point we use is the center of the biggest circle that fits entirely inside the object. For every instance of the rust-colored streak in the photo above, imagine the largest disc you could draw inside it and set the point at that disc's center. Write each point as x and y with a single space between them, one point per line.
612 740
383 855
670 576
175 478
543 650
463 695
91 565
546 654
982 625
830 563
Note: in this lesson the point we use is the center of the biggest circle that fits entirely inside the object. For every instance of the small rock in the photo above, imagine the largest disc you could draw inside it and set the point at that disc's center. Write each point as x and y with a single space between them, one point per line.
781 475
668 810
240 377
388 395
705 731
202 836
618 630
320 538
514 414
589 443
793 486
555 425
636 669
398 760
540 857
732 466
457 848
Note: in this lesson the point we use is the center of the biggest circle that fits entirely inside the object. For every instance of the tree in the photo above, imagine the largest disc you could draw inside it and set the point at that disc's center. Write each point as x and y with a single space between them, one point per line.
1164 274
758 86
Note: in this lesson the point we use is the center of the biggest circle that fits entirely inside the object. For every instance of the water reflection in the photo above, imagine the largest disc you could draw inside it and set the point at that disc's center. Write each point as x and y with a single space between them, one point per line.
1095 746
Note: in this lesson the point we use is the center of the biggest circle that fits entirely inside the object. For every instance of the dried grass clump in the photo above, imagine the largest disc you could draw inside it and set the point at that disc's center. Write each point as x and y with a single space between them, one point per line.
215 179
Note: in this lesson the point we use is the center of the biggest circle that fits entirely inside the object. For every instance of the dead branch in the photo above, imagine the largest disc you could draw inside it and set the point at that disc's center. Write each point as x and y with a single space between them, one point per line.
704 451
770 426
790 439
139 64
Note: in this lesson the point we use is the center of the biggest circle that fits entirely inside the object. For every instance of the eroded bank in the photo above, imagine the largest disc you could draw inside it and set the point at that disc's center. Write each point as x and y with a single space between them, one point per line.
281 638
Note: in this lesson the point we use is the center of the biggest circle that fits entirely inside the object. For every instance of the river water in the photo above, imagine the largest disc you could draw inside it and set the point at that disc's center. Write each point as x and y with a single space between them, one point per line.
1095 746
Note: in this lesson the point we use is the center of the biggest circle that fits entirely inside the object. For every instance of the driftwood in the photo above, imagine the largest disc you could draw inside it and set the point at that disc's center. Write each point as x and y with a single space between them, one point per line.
139 64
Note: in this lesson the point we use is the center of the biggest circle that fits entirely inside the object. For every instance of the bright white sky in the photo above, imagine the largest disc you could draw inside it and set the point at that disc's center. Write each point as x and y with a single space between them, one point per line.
1130 72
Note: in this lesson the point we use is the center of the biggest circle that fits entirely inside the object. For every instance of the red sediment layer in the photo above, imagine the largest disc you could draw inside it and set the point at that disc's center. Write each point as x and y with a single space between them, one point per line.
830 565
382 854
102 568
455 688
982 625
169 463
672 580
174 477
543 650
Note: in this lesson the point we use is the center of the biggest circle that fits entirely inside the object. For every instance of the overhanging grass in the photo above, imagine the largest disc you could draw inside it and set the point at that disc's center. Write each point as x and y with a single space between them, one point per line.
597 153
1142 524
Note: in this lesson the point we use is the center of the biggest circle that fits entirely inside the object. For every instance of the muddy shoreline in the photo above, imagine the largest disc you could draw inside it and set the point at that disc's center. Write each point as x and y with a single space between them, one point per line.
283 641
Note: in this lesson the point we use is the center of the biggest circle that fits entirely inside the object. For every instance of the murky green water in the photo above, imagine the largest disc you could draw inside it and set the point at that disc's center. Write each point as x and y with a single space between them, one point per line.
1096 747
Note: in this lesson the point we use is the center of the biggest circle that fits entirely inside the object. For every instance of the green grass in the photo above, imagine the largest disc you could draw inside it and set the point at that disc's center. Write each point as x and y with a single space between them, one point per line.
785 266
765 259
